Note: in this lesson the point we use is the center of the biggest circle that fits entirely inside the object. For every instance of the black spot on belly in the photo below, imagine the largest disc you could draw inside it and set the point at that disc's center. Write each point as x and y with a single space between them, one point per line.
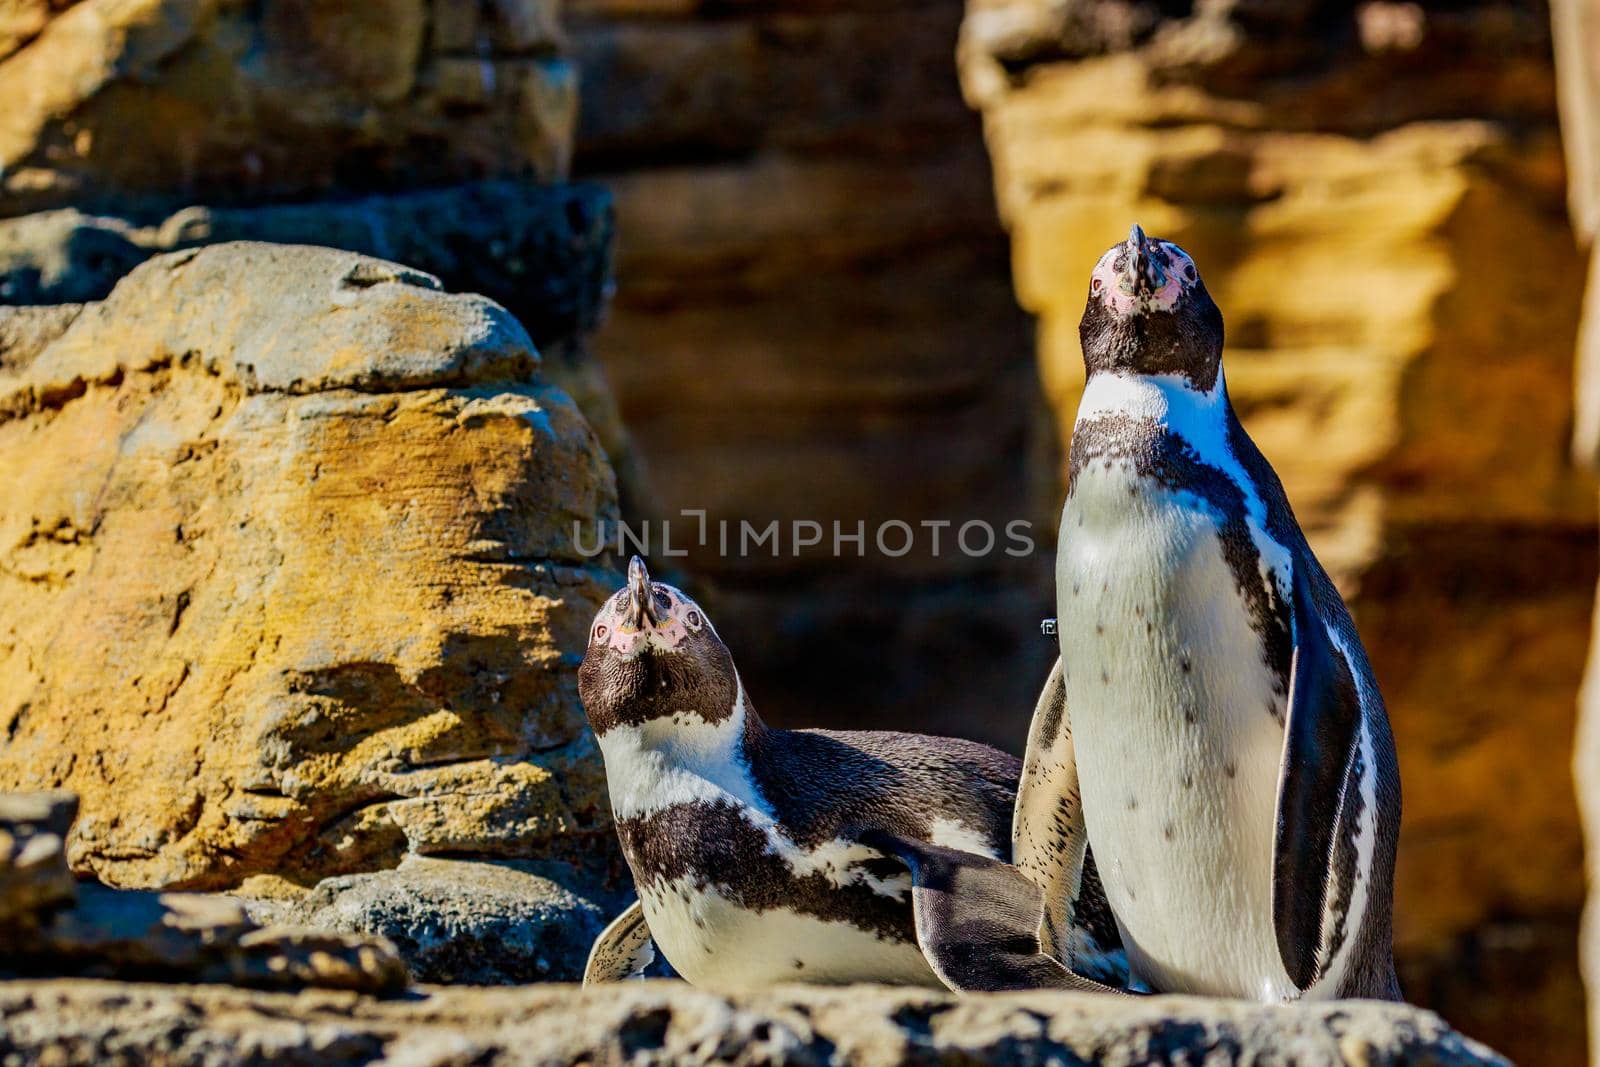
1231 769
1160 456
1167 831
713 846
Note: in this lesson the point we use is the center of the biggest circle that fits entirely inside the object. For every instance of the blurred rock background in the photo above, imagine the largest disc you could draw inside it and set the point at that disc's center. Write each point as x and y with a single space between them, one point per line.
814 321
848 269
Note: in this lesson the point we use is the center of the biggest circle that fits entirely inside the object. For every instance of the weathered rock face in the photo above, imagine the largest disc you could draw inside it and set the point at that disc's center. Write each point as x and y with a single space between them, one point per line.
542 251
290 585
195 937
1364 188
671 1024
307 121
227 100
814 322
464 922
51 926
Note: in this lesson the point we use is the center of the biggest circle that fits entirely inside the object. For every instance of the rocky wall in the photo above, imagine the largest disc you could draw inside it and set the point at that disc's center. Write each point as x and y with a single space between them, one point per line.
112 101
289 571
1367 189
430 133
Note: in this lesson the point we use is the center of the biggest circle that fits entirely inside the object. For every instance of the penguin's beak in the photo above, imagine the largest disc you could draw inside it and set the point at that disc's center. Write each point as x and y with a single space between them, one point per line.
1144 274
642 612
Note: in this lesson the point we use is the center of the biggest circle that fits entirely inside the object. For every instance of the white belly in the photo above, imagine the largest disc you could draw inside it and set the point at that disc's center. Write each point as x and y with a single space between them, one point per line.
1177 746
711 941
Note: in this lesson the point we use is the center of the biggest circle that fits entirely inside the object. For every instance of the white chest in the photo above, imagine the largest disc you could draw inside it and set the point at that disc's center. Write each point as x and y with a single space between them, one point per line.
1177 727
713 941
704 922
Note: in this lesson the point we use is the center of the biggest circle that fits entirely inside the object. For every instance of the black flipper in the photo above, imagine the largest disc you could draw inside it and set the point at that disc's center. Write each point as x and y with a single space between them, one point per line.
1317 773
978 920
623 950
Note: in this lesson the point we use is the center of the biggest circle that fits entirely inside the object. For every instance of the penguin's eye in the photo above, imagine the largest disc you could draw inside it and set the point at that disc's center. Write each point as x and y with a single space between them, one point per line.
1095 286
693 620
1189 270
600 632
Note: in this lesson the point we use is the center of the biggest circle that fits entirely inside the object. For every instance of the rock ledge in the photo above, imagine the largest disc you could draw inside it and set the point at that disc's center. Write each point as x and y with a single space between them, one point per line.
668 1023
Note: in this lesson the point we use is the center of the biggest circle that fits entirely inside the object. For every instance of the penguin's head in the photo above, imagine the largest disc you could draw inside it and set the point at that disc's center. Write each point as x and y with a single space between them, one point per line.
654 657
1149 313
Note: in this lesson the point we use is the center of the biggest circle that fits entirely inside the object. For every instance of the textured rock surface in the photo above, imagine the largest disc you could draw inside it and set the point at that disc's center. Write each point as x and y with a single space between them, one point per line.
544 252
222 99
49 925
814 322
661 1023
461 921
290 110
289 583
1363 186
194 937
34 877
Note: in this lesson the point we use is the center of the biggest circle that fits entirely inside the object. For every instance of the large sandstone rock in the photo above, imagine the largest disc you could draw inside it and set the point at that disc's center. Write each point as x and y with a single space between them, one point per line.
542 251
222 99
307 121
289 577
1365 188
670 1024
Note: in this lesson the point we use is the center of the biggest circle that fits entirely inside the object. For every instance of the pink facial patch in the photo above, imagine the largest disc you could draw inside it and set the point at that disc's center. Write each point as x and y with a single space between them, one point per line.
1169 272
614 627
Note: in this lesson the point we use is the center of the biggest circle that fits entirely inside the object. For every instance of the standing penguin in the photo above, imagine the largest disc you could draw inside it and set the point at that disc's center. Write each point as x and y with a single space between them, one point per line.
1213 730
764 856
